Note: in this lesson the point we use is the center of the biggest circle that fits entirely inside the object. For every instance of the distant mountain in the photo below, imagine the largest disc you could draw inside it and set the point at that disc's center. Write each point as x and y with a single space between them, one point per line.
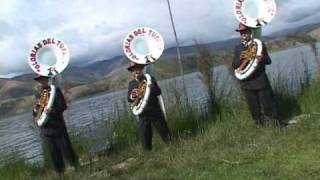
14 89
98 69
192 49
104 67
297 31
76 76
24 85
23 78
314 29
72 76
106 72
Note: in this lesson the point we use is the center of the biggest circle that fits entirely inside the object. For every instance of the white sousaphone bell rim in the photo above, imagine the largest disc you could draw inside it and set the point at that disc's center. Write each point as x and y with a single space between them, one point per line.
253 63
44 117
138 109
61 62
156 50
269 7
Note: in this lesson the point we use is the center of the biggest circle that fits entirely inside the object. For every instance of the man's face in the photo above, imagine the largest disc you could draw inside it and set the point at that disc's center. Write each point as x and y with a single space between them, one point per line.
44 82
136 72
245 36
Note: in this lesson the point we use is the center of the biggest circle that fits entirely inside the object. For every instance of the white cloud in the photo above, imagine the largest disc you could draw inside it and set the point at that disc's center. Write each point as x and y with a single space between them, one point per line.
94 29
292 13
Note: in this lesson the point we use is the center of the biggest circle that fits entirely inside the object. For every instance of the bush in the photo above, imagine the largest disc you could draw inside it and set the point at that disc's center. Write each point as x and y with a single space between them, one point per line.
183 121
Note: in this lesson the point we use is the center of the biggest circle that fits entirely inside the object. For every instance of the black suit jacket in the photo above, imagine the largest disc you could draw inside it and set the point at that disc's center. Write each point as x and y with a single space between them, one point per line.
257 80
55 123
153 105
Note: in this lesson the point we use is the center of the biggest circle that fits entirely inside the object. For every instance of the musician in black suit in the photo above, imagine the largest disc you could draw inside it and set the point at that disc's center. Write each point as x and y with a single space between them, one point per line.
256 87
54 130
152 114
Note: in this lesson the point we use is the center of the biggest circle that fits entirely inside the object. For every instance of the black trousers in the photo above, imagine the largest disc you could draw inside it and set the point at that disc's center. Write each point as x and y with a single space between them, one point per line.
158 120
60 148
259 100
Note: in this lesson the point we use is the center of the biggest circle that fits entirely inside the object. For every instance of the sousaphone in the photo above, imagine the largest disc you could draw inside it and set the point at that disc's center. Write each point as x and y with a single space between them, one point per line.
143 45
48 57
254 14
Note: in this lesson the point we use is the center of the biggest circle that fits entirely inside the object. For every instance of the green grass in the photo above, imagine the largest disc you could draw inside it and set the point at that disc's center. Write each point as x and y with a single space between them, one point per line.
233 148
222 145
125 132
309 101
236 150
230 148
19 169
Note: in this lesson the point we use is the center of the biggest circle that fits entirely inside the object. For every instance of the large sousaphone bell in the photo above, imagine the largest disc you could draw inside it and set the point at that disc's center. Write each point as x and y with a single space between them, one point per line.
254 14
48 57
143 45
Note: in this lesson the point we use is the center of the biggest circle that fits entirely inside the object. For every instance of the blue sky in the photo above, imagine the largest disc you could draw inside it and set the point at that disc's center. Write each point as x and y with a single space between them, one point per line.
94 30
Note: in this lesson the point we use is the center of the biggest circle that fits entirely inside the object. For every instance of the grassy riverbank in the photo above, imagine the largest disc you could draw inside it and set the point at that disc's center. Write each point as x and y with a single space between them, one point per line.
220 142
221 145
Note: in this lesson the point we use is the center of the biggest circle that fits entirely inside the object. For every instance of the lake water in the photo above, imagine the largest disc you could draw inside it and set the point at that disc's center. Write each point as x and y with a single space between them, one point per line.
19 137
